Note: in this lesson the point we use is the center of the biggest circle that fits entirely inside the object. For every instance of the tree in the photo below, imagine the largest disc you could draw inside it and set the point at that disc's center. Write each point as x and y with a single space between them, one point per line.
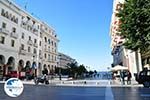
81 70
135 25
73 69
91 73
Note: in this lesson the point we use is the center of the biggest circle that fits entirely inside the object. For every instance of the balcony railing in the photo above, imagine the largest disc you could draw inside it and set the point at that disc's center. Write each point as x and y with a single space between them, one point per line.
35 54
42 29
35 44
30 42
49 60
46 50
4 31
14 35
23 52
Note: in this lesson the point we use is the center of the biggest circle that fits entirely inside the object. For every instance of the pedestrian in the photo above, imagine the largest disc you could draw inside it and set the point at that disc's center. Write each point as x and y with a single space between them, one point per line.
129 76
122 75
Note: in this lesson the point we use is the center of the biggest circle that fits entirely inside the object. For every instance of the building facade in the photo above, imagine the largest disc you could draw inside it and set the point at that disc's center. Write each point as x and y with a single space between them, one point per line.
25 42
64 60
121 55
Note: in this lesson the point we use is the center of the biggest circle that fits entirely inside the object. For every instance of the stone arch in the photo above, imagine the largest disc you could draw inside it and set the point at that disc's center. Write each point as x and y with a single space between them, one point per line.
2 60
11 63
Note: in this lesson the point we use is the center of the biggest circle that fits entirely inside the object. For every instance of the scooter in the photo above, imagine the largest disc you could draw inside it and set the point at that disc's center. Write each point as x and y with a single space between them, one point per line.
42 80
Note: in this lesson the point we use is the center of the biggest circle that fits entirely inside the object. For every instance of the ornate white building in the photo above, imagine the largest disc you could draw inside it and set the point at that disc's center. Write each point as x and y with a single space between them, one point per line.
25 42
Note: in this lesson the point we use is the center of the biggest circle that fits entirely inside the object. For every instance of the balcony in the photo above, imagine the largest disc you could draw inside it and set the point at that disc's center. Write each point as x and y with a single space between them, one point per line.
35 54
49 60
35 44
46 50
22 51
30 42
4 31
42 29
24 26
14 35
35 32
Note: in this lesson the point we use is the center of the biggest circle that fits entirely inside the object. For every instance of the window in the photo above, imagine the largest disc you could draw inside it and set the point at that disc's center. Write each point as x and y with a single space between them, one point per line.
22 46
46 28
29 49
55 58
35 40
49 48
52 57
55 44
3 25
40 52
2 40
34 51
22 36
48 56
40 34
52 43
3 12
45 39
12 43
14 29
16 20
49 41
6 14
29 37
45 55
40 43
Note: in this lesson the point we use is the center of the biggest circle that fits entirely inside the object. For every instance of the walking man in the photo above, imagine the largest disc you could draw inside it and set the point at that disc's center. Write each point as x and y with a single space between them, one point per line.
129 76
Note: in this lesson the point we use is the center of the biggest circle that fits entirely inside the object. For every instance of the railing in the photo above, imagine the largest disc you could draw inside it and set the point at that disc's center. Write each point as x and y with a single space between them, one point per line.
35 44
14 35
46 50
23 52
30 42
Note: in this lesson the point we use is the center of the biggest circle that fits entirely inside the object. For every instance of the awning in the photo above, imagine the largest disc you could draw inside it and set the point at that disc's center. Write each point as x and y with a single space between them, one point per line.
119 67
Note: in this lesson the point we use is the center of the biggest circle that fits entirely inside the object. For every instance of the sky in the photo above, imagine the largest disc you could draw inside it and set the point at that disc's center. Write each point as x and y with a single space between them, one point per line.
82 27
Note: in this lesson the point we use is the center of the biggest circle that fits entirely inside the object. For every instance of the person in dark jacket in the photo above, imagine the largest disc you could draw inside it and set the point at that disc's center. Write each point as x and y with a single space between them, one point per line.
122 75
129 76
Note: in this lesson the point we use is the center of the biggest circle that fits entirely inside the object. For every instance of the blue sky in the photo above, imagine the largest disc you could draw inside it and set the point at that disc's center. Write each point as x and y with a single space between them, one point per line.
82 27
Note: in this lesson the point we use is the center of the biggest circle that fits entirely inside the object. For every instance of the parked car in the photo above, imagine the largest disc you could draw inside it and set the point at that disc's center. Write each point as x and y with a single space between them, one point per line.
143 77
